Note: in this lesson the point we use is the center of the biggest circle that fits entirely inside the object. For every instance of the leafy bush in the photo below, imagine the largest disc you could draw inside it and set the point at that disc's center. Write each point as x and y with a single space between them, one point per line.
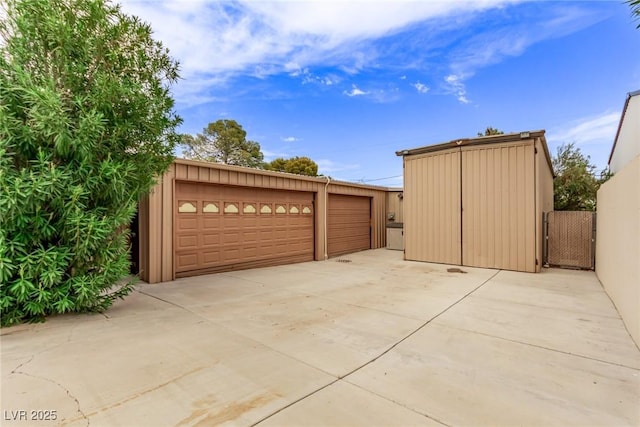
86 124
575 186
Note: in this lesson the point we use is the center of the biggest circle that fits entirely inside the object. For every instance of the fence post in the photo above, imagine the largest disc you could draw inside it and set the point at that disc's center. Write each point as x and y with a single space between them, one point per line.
594 226
545 240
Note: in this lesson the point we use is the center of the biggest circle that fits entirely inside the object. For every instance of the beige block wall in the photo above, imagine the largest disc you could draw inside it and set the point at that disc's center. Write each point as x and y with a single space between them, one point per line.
618 243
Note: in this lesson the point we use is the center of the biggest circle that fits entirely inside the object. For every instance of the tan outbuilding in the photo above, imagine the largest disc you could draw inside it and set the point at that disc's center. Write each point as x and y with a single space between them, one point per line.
478 201
208 217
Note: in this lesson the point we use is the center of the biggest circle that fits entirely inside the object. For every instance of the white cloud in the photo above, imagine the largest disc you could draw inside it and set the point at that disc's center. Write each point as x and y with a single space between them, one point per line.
214 40
217 39
456 86
355 91
593 129
271 155
496 44
290 139
594 136
420 87
326 166
308 77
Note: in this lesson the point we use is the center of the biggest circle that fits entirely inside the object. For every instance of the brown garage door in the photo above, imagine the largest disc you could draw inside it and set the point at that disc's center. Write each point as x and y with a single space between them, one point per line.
221 228
348 224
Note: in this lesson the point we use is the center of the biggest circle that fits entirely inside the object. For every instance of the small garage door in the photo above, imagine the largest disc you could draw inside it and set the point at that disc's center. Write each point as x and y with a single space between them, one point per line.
221 228
348 224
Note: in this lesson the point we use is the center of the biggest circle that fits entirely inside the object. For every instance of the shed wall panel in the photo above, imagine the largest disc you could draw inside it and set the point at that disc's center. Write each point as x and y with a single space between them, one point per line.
395 205
432 207
544 198
498 215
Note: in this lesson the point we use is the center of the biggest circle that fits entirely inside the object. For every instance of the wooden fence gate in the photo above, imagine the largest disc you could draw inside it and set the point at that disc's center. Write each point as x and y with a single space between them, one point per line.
570 239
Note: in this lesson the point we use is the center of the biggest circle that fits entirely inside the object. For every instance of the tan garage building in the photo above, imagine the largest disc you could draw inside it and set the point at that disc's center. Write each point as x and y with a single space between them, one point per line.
207 217
478 201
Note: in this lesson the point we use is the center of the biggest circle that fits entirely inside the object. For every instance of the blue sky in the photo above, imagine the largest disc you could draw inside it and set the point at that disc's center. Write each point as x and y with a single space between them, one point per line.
349 83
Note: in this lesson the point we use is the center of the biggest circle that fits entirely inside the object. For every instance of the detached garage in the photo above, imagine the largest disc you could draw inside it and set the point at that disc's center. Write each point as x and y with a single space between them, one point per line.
479 201
207 217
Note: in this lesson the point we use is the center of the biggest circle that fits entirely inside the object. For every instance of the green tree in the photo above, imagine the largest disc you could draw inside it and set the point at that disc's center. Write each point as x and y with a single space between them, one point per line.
223 141
576 185
297 165
86 125
635 9
491 131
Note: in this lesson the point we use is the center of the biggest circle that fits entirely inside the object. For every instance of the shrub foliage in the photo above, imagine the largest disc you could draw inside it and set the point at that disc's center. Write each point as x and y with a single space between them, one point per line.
575 186
86 124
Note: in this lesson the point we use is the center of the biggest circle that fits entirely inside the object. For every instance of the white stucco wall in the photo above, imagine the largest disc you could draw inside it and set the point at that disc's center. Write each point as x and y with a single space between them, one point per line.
618 243
628 142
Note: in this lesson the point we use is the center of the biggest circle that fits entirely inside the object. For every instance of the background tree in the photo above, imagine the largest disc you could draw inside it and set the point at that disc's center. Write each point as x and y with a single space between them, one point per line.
635 9
491 131
86 124
223 141
576 184
297 165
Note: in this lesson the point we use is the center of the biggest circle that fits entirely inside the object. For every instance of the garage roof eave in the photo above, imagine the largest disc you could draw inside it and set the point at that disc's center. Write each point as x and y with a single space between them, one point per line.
481 140
320 179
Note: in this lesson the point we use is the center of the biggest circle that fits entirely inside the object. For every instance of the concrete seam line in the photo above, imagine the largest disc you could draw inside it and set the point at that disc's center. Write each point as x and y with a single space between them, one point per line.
398 403
288 405
380 355
541 347
618 313
415 331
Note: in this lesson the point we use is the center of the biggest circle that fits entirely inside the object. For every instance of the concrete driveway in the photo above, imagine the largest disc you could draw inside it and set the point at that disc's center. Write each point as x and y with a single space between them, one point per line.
367 339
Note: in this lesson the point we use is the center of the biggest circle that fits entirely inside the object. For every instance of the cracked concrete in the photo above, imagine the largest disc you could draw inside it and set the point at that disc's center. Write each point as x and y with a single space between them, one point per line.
377 341
18 371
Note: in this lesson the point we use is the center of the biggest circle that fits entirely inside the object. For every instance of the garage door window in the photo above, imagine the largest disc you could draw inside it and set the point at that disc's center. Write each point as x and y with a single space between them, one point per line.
231 208
211 207
249 208
266 209
187 207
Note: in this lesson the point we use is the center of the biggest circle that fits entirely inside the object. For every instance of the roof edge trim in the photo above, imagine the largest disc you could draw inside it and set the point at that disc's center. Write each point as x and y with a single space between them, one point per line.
624 112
